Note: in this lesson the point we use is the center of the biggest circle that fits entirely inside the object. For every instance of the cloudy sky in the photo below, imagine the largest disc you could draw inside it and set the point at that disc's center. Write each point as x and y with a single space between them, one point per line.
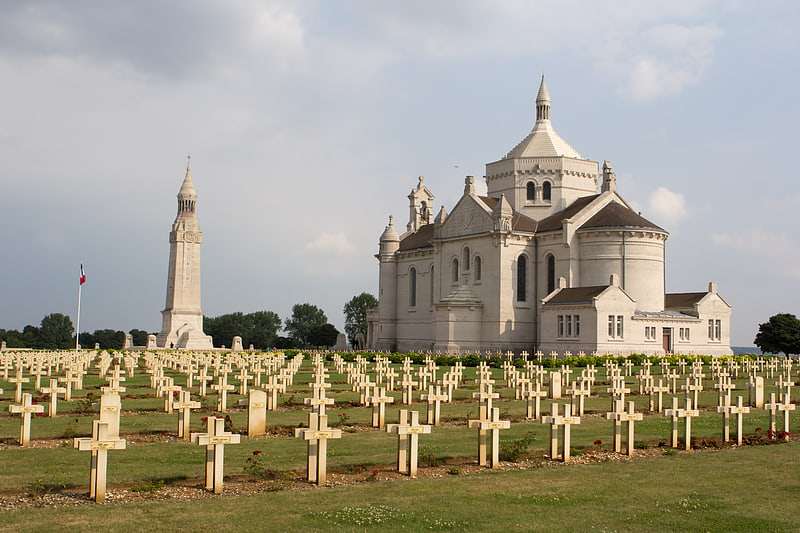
308 123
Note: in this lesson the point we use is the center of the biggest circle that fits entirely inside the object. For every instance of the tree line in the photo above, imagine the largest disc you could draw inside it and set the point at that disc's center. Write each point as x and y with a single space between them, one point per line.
307 327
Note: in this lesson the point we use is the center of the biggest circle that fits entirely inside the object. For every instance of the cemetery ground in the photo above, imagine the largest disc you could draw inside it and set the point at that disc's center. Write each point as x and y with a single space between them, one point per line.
157 482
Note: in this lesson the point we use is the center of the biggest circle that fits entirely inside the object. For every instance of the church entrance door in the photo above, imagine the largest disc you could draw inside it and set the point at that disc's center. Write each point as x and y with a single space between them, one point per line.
666 341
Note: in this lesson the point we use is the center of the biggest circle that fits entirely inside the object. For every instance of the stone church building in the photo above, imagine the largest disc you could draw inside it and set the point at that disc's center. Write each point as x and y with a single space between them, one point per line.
543 262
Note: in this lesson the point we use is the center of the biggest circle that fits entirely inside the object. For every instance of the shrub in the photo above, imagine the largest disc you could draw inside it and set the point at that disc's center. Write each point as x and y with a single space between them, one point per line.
512 451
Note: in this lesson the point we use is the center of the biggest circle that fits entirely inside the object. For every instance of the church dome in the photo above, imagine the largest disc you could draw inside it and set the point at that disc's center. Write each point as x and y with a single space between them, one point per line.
543 141
390 234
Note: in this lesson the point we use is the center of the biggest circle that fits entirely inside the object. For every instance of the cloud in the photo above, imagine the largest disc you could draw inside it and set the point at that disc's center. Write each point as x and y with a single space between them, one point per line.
331 243
667 205
677 56
766 251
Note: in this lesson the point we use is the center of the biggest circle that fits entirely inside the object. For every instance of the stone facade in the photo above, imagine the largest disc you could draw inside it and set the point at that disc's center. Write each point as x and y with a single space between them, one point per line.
182 318
543 262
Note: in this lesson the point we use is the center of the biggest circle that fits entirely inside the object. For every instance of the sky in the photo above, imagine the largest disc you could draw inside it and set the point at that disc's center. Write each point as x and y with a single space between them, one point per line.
308 123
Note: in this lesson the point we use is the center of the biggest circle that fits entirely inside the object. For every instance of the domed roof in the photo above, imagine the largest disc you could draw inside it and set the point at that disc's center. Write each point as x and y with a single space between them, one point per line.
390 234
187 188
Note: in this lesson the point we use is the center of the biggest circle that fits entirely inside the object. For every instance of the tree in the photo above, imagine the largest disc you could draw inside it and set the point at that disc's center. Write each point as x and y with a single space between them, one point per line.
139 337
355 315
259 329
55 331
323 336
108 339
305 317
780 335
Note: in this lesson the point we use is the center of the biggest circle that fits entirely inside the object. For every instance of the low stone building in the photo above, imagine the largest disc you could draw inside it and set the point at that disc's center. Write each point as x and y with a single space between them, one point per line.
543 262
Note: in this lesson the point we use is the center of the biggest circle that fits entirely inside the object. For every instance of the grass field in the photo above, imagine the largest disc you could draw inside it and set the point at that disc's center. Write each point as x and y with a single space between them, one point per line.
752 488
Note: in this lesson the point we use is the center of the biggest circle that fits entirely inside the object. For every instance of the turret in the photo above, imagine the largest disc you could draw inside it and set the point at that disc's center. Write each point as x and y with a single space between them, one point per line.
420 206
390 241
387 282
609 178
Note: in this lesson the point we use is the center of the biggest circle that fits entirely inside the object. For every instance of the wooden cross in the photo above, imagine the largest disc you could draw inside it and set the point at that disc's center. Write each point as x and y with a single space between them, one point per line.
773 407
69 379
628 364
629 417
493 426
784 384
214 439
37 371
578 394
378 402
557 422
25 410
53 390
687 414
18 381
167 389
675 413
408 385
185 406
727 410
724 386
616 415
273 386
424 375
618 390
435 397
408 441
450 382
533 397
672 377
659 390
243 378
693 388
318 401
317 435
204 378
99 444
222 389
484 397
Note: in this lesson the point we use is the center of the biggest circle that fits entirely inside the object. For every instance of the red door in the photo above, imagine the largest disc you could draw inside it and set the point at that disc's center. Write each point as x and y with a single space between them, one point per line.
666 340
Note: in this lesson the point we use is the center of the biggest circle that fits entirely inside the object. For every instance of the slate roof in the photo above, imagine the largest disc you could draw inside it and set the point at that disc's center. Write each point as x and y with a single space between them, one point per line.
556 220
577 295
419 239
616 215
682 300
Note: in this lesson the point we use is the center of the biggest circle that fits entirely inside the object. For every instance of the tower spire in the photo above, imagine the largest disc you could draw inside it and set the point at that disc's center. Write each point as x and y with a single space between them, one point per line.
543 102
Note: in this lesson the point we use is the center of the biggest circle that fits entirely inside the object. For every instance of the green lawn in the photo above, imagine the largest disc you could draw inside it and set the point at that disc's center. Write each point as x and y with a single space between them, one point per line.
753 488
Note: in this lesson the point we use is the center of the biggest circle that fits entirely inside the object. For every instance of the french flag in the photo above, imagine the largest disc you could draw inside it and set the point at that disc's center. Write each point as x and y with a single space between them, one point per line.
83 276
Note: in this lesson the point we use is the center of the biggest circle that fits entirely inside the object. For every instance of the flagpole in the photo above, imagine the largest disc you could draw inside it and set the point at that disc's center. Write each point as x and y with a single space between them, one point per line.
78 321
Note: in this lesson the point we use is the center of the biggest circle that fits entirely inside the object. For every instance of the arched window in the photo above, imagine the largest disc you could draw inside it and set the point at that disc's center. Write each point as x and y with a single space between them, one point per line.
412 287
546 191
466 258
531 191
455 270
522 278
551 273
477 266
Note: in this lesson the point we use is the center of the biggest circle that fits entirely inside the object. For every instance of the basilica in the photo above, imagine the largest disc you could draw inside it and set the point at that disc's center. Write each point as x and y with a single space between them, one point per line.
551 259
